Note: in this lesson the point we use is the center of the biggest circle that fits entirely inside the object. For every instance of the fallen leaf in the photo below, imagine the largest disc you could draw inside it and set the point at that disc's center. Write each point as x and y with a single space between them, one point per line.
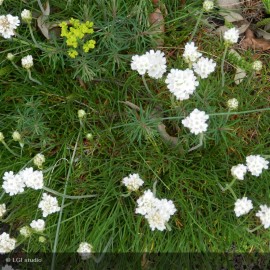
231 16
229 4
254 43
240 74
42 25
156 20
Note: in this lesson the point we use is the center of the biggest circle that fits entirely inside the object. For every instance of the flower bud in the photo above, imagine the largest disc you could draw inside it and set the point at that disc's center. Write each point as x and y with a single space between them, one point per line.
257 65
81 114
232 104
16 136
10 56
2 138
208 5
89 136
38 160
26 15
42 239
25 231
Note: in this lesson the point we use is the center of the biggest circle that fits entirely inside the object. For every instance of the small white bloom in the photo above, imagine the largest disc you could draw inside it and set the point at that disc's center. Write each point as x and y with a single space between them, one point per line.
182 83
8 24
231 36
133 182
10 56
25 231
38 160
157 64
146 203
2 210
13 183
264 215
239 171
32 179
257 65
7 244
242 206
208 5
191 54
89 136
204 66
81 114
85 250
27 61
48 205
232 104
16 136
140 64
196 121
156 219
256 164
2 138
26 15
38 225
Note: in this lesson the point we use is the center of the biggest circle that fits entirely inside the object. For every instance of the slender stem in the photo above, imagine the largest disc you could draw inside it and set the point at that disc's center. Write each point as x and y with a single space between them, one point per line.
231 190
228 186
2 195
31 78
68 196
255 229
196 26
145 84
242 112
63 202
126 195
222 68
4 143
32 35
198 145
155 188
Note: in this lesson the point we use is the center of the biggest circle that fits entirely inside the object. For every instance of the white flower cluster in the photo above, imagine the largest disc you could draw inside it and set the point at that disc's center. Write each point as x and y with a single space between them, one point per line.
85 250
153 63
255 165
38 160
182 83
208 5
204 66
27 62
232 104
242 206
38 225
8 24
3 210
26 15
7 244
156 211
231 36
191 54
196 121
264 215
257 65
25 231
15 183
48 205
133 182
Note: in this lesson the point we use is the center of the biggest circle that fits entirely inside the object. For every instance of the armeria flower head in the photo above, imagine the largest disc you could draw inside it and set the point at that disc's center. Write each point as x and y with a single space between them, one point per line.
182 83
140 63
239 171
16 136
242 206
26 15
13 183
232 104
25 231
208 5
48 205
196 121
38 225
256 164
264 216
7 244
85 250
32 179
132 182
204 66
38 160
146 203
8 24
191 54
157 64
231 36
3 210
257 65
27 62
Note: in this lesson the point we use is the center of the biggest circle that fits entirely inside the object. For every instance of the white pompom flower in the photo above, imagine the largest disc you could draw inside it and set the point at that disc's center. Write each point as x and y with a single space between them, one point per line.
256 164
38 160
181 83
196 121
204 66
25 231
26 15
157 64
257 65
27 62
242 206
32 179
140 64
264 216
7 244
239 171
208 5
38 225
133 182
232 104
231 36
13 183
85 250
191 54
8 24
48 205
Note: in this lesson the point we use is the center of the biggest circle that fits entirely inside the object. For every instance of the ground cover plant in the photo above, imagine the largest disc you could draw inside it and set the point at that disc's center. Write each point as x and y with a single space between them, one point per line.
133 127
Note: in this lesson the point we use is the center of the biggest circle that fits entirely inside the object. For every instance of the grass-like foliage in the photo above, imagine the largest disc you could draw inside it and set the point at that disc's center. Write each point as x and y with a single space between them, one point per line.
128 124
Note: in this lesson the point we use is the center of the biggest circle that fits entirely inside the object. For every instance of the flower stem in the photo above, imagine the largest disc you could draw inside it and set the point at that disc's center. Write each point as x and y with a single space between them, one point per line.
201 135
255 229
68 196
32 35
196 26
222 68
2 195
155 188
145 84
31 78
228 186
6 146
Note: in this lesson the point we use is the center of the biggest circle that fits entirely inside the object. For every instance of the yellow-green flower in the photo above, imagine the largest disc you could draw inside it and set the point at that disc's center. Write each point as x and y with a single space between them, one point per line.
72 53
89 45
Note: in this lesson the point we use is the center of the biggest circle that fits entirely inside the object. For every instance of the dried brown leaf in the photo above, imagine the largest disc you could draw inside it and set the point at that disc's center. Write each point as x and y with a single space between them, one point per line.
254 43
156 20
